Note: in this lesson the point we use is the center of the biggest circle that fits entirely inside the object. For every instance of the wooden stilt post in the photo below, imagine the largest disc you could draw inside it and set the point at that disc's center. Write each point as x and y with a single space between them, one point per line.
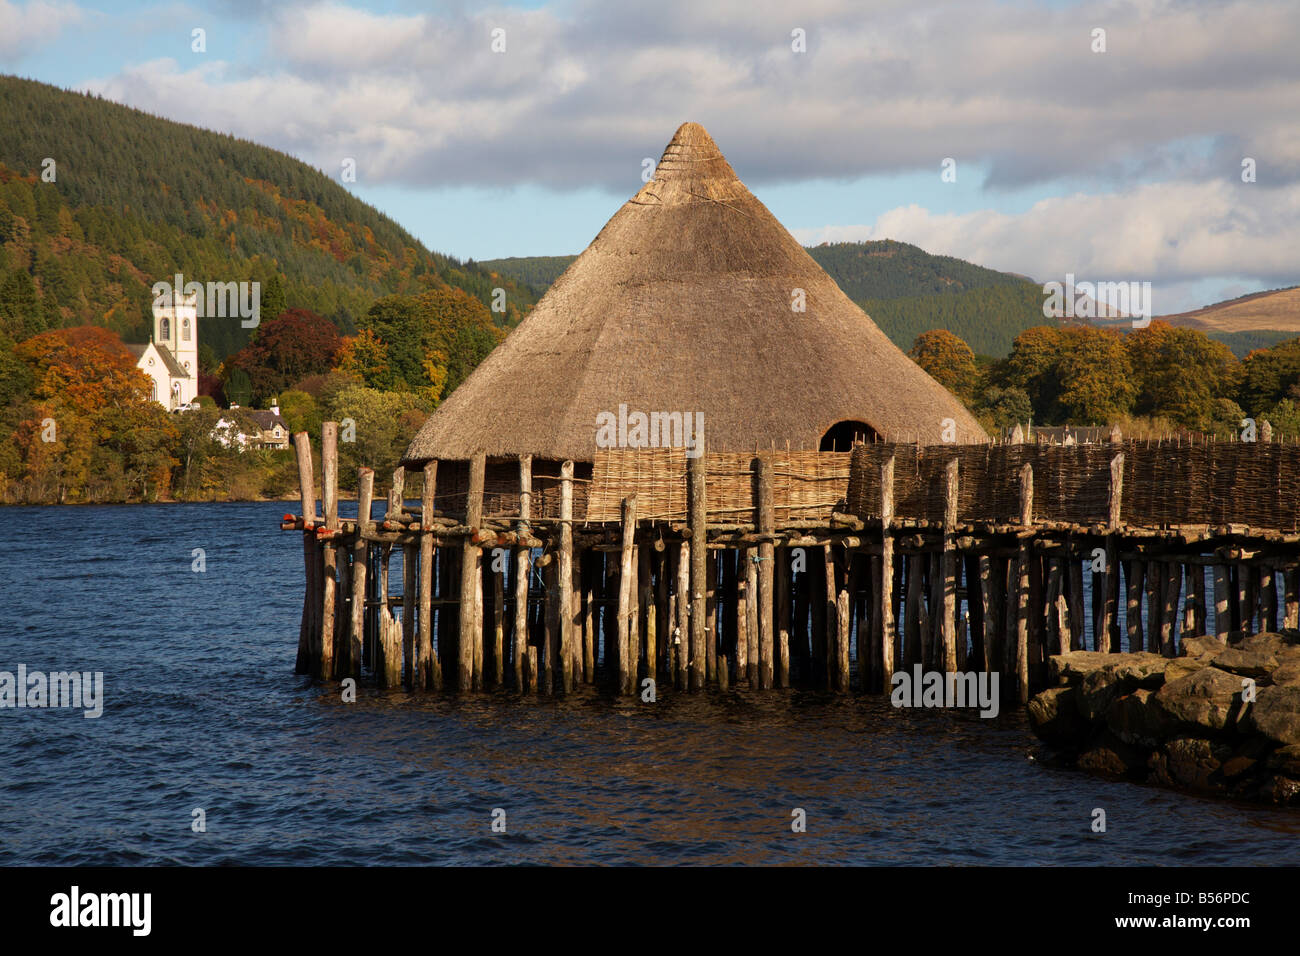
831 655
308 661
410 614
751 617
330 506
843 616
781 561
1194 578
626 593
1155 601
820 646
428 669
360 559
388 663
1267 598
710 617
843 607
591 568
550 651
565 572
993 596
722 666
1247 595
523 555
1058 618
1134 571
1197 573
471 614
885 589
645 573
481 639
1173 582
864 624
1023 582
1291 584
948 626
682 636
696 468
766 523
728 623
800 654
741 603
1222 611
664 628
498 623
1106 637
1074 580
635 648
977 624
912 630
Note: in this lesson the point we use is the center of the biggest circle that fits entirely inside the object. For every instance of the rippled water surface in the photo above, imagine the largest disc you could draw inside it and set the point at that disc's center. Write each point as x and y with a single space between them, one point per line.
202 710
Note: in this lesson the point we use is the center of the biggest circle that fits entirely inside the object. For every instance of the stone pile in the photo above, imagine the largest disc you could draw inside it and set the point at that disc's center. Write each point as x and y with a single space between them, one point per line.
1224 718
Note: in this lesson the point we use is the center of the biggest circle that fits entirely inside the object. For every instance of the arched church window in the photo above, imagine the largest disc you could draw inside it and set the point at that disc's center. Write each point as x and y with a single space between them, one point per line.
185 331
165 328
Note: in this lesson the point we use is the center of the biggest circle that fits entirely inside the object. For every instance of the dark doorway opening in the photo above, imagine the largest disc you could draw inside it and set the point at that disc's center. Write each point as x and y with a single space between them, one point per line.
842 435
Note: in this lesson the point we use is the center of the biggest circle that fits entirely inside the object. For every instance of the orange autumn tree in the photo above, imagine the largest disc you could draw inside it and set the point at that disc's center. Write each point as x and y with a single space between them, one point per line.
93 433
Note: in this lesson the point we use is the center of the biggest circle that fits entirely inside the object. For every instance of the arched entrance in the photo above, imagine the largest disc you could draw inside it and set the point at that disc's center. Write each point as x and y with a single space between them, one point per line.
842 435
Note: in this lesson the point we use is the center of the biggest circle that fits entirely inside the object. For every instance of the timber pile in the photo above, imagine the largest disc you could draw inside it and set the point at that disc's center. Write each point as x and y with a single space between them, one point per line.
778 568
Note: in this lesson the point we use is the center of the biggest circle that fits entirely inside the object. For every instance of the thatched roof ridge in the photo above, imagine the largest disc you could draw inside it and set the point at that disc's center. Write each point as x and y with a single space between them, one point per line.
683 303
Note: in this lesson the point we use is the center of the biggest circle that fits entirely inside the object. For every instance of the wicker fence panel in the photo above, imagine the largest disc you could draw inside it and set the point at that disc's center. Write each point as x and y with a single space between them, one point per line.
1165 484
805 485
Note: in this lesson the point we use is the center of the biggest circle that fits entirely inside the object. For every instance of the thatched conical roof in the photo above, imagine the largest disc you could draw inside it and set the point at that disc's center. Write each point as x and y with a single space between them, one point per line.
682 303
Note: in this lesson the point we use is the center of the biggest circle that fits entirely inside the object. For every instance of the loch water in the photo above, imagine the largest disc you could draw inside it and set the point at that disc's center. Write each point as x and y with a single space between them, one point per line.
202 711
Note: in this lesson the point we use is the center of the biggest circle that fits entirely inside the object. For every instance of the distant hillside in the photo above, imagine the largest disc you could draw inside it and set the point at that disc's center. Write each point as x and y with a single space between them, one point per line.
536 273
137 199
904 289
887 269
1251 321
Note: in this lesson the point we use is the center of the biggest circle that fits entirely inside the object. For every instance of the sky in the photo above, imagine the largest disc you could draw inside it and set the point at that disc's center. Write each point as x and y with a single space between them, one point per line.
1164 148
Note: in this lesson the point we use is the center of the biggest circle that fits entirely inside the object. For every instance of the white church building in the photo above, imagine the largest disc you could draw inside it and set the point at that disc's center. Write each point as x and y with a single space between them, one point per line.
171 358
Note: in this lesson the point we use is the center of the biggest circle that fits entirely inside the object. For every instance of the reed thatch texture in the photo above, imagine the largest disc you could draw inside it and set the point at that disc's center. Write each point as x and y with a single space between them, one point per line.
683 303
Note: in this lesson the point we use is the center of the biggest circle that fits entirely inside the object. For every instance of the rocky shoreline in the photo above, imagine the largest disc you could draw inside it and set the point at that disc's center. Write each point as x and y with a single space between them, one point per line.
1222 719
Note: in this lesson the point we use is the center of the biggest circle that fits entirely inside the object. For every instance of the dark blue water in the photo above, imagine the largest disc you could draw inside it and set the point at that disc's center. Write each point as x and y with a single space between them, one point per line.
202 710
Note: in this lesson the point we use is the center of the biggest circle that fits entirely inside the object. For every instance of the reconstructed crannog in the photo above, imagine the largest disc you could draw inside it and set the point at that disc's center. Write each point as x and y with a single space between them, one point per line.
550 549
693 299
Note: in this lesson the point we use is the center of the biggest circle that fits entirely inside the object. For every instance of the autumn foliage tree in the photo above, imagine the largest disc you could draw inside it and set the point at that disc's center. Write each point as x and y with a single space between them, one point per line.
90 428
285 350
427 344
949 361
1181 374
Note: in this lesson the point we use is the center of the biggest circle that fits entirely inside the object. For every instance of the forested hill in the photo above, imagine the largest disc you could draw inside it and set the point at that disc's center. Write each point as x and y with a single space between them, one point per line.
904 289
136 199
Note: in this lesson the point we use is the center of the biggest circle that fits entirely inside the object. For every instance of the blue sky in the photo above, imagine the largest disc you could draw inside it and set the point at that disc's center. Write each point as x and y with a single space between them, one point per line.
1122 164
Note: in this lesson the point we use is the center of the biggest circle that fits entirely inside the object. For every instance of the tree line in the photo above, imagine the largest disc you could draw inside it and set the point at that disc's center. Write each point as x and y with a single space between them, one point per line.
1154 380
77 423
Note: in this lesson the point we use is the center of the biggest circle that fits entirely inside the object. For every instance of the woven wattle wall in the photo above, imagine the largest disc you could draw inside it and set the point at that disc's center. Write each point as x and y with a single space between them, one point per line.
1164 484
805 485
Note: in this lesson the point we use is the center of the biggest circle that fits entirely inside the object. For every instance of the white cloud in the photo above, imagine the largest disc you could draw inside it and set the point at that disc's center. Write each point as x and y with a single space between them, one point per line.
585 90
25 27
1167 232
